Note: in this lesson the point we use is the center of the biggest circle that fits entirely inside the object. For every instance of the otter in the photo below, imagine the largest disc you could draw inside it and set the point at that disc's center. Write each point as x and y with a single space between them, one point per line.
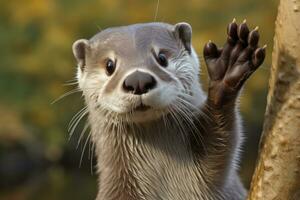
157 134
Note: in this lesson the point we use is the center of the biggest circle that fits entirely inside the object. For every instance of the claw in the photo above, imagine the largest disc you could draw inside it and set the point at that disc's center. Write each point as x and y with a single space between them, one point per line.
243 32
253 38
259 56
232 32
210 50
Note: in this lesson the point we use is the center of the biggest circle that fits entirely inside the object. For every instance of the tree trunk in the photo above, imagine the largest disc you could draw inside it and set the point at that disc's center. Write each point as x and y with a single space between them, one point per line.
277 174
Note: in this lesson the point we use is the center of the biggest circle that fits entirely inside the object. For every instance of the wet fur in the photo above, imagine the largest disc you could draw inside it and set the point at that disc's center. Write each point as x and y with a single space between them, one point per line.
166 160
185 148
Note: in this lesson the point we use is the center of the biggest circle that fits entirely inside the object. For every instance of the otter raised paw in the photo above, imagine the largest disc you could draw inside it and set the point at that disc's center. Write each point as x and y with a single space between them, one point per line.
231 66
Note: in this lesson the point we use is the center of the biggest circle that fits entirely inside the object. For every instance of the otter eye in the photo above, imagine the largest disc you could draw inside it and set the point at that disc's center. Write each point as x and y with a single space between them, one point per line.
162 59
110 67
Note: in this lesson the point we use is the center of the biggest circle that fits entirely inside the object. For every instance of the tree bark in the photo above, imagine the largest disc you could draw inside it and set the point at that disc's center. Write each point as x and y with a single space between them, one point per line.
277 174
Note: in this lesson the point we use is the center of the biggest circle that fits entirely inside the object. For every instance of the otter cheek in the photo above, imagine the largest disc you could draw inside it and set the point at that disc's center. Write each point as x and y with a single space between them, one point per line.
161 98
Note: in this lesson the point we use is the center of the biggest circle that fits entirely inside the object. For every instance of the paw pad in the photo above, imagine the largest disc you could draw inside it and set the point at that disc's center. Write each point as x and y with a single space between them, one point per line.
230 66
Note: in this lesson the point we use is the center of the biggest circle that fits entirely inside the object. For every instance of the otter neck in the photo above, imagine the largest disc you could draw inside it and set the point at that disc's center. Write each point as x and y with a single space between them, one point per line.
128 157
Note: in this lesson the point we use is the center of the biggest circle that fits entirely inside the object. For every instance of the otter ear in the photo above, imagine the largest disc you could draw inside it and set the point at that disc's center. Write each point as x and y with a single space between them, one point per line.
183 31
79 50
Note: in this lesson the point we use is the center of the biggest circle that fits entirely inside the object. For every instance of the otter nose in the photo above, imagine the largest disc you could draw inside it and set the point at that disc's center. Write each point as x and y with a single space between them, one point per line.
139 83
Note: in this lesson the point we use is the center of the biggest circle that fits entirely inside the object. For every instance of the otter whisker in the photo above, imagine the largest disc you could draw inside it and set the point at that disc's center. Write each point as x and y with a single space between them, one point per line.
197 109
65 95
191 125
92 156
179 122
75 117
156 10
75 82
79 118
71 80
196 112
84 147
181 112
86 126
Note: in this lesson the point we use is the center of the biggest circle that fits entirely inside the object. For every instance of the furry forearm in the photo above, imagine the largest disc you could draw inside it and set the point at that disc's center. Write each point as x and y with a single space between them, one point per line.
217 139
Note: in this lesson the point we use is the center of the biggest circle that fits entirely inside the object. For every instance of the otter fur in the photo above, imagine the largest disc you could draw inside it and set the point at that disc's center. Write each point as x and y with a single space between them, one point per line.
157 134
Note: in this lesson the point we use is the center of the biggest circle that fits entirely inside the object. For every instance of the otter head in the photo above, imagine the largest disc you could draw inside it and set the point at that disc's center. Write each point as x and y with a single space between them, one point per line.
138 72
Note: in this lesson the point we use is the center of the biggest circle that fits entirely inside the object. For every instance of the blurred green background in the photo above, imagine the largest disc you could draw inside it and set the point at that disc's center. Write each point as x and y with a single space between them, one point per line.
36 159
